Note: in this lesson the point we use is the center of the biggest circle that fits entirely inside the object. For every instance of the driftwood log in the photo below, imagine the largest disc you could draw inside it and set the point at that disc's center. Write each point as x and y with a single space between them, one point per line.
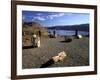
60 57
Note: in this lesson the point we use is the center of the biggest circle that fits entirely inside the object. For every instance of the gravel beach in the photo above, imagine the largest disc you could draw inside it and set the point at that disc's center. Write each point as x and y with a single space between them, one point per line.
77 52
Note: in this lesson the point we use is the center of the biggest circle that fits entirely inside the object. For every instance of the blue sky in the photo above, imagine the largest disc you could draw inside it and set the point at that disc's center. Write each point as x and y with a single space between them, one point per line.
55 18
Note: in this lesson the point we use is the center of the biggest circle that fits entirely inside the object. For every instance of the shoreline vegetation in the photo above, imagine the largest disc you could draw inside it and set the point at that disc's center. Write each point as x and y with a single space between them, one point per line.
76 49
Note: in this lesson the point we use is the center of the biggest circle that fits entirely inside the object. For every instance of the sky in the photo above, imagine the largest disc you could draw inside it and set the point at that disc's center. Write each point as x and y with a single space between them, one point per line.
48 19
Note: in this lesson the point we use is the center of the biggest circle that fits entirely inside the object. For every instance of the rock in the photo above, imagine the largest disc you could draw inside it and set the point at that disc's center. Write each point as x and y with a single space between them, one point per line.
79 36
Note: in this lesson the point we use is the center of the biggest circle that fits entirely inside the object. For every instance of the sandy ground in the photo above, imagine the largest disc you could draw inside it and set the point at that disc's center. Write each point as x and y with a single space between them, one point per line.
77 51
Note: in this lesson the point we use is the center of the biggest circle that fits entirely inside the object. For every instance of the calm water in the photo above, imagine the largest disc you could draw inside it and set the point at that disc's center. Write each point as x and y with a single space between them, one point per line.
68 33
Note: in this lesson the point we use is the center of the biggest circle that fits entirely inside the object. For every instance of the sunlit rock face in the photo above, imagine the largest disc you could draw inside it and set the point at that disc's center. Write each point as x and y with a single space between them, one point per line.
33 28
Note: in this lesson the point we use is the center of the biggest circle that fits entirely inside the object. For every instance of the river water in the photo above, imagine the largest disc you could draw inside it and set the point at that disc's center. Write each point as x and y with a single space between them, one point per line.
68 32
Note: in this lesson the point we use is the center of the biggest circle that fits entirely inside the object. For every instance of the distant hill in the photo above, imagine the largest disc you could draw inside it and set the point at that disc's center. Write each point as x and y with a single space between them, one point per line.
81 27
30 23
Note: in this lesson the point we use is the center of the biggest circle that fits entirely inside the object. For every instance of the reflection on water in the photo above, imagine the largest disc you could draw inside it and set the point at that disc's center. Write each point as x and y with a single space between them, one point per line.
67 32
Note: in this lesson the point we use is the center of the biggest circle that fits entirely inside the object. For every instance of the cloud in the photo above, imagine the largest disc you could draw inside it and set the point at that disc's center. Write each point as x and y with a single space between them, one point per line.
39 14
40 18
52 16
23 17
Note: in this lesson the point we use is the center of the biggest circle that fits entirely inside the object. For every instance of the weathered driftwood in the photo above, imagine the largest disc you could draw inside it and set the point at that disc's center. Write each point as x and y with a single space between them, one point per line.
54 59
59 57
